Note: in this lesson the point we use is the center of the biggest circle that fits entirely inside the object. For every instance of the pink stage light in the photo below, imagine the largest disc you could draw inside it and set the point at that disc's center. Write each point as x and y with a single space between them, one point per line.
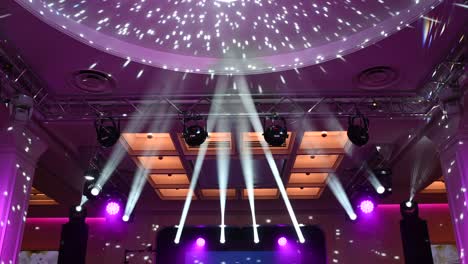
112 208
200 242
367 206
282 241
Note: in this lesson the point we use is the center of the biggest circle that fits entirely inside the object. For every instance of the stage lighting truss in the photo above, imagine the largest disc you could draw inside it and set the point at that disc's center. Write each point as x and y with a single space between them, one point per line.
194 134
55 108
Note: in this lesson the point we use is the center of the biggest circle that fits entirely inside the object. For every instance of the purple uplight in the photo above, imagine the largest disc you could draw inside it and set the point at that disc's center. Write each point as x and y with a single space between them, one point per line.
200 242
367 206
112 208
282 241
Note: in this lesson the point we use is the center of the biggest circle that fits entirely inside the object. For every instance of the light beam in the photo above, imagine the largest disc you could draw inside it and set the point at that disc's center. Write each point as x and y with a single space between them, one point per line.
248 172
223 162
248 103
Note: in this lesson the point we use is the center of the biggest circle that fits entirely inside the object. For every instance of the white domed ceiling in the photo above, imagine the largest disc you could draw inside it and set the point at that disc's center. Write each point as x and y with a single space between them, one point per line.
229 36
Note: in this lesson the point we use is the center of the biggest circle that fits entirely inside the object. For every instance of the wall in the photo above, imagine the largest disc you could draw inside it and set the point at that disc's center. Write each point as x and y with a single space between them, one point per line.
374 239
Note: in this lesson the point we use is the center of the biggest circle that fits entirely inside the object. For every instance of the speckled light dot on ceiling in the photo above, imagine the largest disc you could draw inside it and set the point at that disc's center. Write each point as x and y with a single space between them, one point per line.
229 36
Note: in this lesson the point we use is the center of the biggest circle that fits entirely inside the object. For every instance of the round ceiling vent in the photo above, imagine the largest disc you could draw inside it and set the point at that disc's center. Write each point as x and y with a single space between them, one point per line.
91 81
377 78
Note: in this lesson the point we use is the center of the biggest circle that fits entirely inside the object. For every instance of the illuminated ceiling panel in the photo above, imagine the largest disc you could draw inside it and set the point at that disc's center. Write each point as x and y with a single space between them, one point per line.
215 141
227 36
304 193
315 140
304 162
169 179
435 187
307 179
36 197
139 143
265 193
161 163
214 193
173 194
254 139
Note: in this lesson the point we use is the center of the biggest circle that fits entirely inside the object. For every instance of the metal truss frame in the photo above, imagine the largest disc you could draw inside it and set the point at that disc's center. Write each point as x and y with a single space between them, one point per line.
19 78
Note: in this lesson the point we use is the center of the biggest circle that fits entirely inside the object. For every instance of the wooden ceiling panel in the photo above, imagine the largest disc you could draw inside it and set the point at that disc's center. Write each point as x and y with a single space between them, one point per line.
435 187
169 180
173 194
148 143
304 193
304 179
36 197
164 164
326 162
213 194
262 193
315 142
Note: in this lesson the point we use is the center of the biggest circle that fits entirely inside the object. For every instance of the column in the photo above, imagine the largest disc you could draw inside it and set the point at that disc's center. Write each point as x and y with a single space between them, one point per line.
19 151
454 158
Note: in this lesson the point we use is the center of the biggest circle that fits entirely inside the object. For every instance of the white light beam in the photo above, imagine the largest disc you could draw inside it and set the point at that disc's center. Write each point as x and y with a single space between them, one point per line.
248 172
223 162
247 101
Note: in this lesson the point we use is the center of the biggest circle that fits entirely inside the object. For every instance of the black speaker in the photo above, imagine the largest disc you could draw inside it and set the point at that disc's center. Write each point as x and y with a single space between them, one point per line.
73 243
415 238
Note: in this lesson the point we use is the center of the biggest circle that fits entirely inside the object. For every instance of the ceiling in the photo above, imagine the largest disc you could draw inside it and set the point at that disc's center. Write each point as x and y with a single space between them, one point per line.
395 65
408 60
229 36
157 153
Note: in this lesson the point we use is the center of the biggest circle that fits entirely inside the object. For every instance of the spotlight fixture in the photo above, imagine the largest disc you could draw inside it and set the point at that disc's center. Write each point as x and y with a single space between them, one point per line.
76 215
353 216
200 242
282 241
95 190
409 210
367 206
125 218
107 131
112 208
275 134
324 134
194 135
384 177
358 129
364 201
380 189
408 204
91 190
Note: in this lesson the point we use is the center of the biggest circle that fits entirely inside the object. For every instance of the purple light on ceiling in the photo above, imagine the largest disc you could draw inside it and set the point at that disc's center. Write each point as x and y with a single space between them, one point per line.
229 36
282 241
112 208
367 206
200 242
